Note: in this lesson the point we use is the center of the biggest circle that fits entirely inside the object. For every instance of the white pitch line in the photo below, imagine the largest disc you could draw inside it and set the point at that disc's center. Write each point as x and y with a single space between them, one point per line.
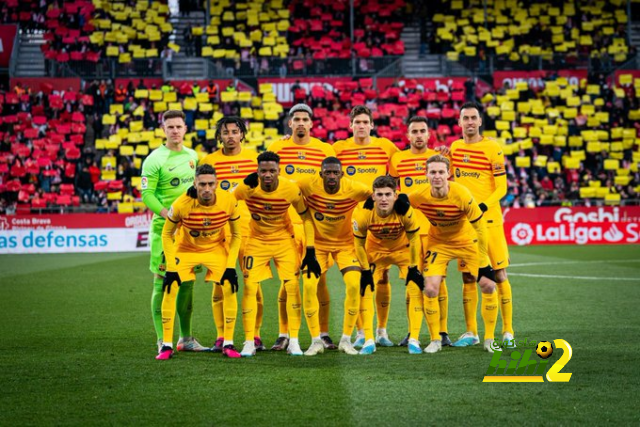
553 276
532 264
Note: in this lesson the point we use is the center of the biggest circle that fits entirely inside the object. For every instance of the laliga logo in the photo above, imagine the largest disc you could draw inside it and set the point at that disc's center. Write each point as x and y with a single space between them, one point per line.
522 234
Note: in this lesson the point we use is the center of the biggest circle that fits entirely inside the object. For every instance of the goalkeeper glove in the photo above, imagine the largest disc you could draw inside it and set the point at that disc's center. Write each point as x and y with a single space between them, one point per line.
192 192
402 205
169 278
251 180
487 272
414 275
366 279
230 276
368 204
310 262
483 207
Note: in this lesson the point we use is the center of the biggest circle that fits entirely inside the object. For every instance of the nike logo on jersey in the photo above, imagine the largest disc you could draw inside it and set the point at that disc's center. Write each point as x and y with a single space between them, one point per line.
500 262
171 169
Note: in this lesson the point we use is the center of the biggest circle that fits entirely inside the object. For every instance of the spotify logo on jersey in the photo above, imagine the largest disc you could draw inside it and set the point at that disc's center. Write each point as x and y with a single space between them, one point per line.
289 169
225 185
351 170
408 182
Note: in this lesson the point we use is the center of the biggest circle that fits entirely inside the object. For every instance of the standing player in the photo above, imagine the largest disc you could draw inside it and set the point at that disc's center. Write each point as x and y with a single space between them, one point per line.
381 238
478 164
271 237
166 174
454 214
233 164
331 201
202 214
301 156
364 158
409 168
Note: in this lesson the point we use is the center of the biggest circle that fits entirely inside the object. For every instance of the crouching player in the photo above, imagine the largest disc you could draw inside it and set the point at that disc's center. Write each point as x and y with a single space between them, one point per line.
382 236
454 214
202 213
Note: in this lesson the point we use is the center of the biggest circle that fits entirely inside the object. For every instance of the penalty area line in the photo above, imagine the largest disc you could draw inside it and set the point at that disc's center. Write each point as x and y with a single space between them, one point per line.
534 264
553 276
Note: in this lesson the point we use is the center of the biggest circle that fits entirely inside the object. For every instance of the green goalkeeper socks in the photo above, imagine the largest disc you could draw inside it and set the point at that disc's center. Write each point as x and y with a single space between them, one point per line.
156 306
185 308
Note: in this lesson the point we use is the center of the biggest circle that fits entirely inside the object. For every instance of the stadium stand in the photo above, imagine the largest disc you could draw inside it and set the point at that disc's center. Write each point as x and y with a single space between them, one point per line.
564 144
529 34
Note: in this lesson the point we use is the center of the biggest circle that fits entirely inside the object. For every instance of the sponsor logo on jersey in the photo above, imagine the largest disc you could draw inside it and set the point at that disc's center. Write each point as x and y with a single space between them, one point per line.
351 170
408 182
175 182
194 233
256 217
463 174
457 173
144 182
318 216
290 169
225 185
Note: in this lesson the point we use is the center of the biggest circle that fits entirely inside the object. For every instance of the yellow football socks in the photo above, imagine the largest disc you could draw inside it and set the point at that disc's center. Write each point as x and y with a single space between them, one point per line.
367 313
351 301
470 304
443 302
432 314
506 306
311 304
489 313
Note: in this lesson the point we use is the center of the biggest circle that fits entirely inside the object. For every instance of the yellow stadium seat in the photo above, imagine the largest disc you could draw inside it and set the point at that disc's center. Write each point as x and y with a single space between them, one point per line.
541 161
553 167
593 147
560 141
246 113
612 199
611 164
571 163
535 132
546 139
523 162
502 125
142 150
587 192
509 116
519 132
125 207
622 180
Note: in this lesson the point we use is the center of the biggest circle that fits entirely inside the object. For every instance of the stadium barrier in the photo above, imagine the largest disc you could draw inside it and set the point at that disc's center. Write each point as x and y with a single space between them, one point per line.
129 232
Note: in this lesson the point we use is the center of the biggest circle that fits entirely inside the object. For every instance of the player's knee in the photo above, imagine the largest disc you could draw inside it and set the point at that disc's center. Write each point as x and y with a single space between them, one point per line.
468 278
487 286
501 275
432 287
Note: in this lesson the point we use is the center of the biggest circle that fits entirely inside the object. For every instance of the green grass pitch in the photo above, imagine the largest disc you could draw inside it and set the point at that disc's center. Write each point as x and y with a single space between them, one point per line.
78 348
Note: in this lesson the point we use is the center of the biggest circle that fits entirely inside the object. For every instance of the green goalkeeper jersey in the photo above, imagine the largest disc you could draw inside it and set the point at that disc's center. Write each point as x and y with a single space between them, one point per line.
166 174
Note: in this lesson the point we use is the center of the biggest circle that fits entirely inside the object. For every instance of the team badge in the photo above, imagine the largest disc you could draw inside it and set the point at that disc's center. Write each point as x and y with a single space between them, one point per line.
267 206
206 222
385 230
192 164
466 158
362 155
301 155
331 206
439 213
497 167
235 169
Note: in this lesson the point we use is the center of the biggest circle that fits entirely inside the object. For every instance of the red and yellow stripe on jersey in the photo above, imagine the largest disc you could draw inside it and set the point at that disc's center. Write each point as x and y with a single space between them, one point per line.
411 171
332 213
449 216
385 234
269 217
365 163
298 161
230 171
480 168
202 226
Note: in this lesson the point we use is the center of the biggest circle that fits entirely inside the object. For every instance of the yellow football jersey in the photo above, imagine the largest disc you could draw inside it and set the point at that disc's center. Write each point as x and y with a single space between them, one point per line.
298 161
202 226
365 163
385 234
479 167
332 213
269 217
449 216
230 170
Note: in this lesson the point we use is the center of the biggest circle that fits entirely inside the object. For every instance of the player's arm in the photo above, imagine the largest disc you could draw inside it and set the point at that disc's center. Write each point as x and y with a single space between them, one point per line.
307 221
151 174
393 171
168 231
500 179
412 227
360 240
236 237
474 214
243 191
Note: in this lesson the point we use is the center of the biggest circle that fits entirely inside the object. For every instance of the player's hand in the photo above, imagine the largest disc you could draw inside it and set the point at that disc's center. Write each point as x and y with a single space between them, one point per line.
192 192
414 275
310 262
483 207
443 150
402 204
285 137
230 276
251 180
368 204
366 279
169 278
487 272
